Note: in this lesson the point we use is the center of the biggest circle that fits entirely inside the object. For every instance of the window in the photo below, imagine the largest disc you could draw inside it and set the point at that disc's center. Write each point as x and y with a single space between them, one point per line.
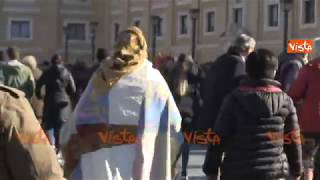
159 27
210 24
77 31
238 16
183 28
309 11
116 31
20 29
273 11
137 23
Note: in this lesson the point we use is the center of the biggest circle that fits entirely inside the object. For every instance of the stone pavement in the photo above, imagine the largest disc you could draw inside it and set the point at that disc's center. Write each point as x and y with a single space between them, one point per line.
196 160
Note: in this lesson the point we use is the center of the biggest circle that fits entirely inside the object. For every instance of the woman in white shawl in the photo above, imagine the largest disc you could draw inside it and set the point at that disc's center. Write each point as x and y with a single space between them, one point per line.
126 124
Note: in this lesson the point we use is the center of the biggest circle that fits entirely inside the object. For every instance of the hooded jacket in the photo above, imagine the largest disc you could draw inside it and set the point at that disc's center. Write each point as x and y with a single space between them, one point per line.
259 133
15 74
307 88
60 88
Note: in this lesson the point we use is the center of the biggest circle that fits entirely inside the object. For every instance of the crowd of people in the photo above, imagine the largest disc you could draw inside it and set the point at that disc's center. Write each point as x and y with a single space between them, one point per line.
125 118
241 96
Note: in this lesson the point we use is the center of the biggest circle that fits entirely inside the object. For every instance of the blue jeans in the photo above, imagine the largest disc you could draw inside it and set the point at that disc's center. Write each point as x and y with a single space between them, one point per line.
53 135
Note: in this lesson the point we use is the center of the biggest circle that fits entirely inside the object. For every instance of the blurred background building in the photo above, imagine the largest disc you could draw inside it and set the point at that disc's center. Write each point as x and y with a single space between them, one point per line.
75 28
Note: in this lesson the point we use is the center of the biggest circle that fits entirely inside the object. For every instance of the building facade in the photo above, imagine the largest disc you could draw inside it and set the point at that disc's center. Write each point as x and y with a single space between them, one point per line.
37 26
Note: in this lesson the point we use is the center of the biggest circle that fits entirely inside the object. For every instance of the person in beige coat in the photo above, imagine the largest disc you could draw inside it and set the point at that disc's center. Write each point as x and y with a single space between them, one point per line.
25 152
37 104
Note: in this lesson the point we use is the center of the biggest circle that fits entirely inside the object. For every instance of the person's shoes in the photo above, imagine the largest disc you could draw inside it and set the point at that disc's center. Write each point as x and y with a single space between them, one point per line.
60 159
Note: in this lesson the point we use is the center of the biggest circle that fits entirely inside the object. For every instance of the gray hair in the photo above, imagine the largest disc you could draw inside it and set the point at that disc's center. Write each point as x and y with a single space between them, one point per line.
244 42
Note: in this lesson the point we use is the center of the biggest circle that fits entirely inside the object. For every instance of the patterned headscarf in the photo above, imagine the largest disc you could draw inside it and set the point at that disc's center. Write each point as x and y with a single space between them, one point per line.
130 52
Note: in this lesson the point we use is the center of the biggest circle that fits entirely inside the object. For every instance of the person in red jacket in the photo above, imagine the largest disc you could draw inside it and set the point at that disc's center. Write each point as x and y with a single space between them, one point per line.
305 92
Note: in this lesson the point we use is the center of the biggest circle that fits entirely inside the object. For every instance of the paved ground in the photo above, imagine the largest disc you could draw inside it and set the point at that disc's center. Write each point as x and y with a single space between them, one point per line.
195 163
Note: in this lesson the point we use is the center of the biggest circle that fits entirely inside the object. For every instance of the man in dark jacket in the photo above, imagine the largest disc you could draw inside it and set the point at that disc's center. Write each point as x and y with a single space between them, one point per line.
60 89
224 76
289 67
258 127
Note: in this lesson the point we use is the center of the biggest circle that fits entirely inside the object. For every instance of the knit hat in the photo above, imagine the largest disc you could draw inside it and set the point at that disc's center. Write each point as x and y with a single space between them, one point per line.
261 64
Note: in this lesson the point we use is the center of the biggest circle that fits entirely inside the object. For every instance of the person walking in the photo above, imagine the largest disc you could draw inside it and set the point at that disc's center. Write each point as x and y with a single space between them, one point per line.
222 77
128 101
166 68
2 56
289 67
15 74
81 74
37 104
183 85
305 93
25 152
59 90
258 128
102 54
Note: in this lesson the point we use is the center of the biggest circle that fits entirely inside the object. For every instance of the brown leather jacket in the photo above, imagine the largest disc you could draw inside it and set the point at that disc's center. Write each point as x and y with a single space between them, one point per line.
25 152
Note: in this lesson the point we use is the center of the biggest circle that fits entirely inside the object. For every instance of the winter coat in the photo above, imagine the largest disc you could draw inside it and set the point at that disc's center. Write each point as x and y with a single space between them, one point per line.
223 76
60 88
289 68
25 152
259 134
307 89
81 76
17 75
37 104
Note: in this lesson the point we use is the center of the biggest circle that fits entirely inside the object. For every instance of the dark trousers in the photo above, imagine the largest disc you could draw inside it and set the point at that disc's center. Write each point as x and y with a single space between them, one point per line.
53 134
185 158
317 166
